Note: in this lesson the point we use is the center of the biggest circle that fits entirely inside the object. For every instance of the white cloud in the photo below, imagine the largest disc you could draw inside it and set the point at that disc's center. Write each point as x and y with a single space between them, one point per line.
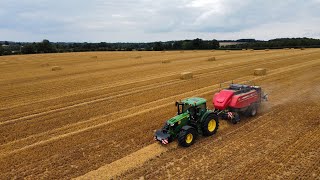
148 20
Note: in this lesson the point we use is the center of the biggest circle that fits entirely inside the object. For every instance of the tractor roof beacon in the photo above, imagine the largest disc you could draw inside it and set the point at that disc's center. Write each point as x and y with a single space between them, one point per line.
193 118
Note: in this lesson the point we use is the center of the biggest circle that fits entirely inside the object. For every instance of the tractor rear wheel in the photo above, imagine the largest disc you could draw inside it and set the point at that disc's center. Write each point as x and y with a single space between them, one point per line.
210 125
187 136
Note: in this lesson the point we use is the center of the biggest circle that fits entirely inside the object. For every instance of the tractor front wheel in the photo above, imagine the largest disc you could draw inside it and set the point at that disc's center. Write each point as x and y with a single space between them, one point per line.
210 125
187 136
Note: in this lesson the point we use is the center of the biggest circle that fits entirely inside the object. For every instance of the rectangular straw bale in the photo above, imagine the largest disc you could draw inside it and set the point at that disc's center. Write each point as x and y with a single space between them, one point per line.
56 68
165 61
211 59
260 72
186 75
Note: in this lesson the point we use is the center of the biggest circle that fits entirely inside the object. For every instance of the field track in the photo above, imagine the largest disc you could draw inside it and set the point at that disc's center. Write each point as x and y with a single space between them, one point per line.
97 114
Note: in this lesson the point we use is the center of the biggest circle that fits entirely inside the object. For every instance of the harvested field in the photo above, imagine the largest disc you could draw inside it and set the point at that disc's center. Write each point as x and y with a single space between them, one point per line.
97 118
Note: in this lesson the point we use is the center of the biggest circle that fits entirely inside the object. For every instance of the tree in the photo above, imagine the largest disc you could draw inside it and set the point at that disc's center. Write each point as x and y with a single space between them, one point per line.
29 49
177 45
187 45
197 44
158 46
103 44
1 50
46 47
215 44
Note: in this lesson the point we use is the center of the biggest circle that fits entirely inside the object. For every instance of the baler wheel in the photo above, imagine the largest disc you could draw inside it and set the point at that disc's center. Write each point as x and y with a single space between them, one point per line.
235 119
252 110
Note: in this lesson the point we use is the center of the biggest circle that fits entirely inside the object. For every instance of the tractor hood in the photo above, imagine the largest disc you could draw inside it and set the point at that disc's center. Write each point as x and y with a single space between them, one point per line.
167 133
177 118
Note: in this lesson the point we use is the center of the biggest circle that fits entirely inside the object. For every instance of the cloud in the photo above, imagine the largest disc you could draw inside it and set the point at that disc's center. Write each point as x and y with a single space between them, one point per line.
147 20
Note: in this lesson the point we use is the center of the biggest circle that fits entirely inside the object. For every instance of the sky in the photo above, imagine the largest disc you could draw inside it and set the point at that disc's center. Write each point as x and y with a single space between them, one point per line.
156 20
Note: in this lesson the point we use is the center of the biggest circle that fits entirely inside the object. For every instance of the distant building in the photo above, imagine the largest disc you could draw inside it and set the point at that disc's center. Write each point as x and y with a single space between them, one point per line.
223 44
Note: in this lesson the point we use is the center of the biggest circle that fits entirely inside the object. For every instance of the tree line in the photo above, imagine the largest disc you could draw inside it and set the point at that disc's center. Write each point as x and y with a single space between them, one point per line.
46 46
9 48
278 43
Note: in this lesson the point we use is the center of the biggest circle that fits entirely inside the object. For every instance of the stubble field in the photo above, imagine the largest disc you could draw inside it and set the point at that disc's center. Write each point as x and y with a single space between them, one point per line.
95 118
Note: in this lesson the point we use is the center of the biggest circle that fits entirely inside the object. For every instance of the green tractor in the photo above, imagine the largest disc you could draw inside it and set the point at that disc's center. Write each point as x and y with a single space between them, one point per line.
192 118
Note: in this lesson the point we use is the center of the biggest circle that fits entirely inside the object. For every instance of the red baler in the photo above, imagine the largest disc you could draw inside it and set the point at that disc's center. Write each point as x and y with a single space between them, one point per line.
238 98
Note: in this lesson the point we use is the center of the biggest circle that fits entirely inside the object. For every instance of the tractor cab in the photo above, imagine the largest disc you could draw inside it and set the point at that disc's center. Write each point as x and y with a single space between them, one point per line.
195 106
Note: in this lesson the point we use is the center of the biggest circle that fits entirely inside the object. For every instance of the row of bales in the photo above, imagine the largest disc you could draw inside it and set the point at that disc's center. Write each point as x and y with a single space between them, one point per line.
53 68
256 72
58 68
187 75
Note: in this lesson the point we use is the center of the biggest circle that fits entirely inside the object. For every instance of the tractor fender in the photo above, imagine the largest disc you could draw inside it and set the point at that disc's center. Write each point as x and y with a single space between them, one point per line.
186 127
206 114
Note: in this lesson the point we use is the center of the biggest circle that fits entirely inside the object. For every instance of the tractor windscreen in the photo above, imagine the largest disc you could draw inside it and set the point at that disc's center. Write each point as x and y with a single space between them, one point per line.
185 107
182 108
